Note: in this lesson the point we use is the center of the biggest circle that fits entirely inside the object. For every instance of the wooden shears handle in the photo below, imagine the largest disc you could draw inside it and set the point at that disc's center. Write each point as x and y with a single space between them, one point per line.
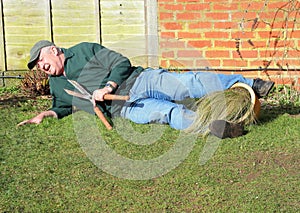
116 97
102 118
101 115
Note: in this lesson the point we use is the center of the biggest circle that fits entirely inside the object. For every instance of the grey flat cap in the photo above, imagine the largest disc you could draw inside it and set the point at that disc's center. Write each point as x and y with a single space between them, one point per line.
35 52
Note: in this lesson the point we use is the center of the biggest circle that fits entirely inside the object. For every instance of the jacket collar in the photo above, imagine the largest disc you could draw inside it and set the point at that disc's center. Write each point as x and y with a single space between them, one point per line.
68 53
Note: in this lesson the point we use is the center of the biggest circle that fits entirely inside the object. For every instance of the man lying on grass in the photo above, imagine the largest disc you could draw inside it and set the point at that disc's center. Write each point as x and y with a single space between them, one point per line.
152 92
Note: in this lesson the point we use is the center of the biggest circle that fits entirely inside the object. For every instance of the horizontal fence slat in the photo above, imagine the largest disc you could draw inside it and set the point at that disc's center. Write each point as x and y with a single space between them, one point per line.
27 31
129 4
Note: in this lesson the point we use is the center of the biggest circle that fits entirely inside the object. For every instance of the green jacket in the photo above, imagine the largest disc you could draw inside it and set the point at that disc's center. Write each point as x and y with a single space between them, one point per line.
91 65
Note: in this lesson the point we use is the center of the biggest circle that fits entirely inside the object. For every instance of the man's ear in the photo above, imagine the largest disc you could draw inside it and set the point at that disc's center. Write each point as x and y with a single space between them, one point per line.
54 50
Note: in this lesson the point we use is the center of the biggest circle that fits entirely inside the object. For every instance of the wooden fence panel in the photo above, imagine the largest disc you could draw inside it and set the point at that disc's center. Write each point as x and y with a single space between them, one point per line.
122 20
123 28
25 22
75 21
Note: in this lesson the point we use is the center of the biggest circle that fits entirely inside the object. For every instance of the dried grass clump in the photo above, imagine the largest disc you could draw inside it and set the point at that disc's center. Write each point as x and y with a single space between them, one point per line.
35 83
234 105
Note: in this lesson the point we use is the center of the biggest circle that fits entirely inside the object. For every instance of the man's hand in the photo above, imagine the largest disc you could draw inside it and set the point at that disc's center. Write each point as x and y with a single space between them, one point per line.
98 95
39 118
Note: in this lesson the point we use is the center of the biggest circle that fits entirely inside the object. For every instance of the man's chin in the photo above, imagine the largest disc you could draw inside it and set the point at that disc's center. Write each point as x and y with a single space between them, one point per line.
55 73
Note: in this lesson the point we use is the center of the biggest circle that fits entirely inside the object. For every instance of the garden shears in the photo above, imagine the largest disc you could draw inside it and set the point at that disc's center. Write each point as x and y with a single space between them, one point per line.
84 94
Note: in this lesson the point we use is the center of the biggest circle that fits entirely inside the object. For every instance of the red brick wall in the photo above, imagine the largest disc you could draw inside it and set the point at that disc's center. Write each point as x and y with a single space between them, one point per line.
259 38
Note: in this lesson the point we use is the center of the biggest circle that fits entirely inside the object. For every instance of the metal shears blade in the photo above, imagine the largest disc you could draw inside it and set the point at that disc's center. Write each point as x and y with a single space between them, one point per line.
86 95
80 88
82 91
77 94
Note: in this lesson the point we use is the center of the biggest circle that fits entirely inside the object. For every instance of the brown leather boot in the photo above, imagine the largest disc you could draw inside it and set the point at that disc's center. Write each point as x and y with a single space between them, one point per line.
224 129
261 87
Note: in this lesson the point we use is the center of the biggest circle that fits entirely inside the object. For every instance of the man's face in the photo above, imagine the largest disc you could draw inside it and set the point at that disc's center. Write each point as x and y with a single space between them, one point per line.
50 61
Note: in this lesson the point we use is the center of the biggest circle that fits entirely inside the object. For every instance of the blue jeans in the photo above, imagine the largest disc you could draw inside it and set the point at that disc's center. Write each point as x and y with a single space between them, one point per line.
153 94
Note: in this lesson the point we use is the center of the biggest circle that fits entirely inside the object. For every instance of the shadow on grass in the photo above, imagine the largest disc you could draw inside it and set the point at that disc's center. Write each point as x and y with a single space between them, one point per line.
12 100
24 101
269 113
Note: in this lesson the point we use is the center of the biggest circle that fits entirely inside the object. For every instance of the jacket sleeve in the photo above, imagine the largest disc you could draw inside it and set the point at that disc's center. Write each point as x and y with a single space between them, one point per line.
60 108
118 66
61 101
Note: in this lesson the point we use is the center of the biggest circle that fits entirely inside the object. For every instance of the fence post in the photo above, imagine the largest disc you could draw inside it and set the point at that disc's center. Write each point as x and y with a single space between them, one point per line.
151 33
98 21
50 21
3 65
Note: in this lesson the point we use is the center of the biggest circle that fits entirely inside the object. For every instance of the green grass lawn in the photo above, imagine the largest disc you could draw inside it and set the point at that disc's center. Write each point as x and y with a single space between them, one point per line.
45 169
